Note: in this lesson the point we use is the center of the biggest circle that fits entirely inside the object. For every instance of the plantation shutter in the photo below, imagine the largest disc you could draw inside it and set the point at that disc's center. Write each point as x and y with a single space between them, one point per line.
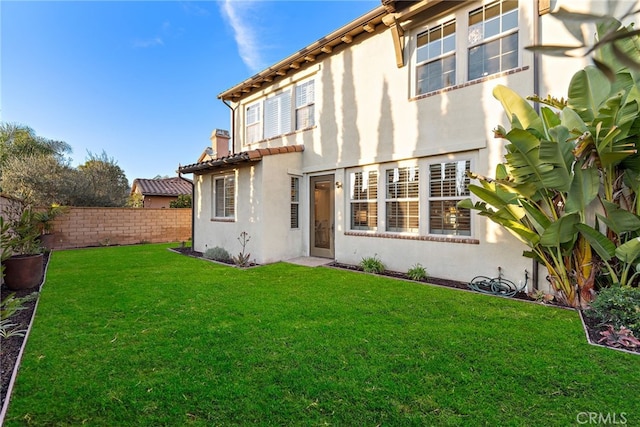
305 96
219 183
277 115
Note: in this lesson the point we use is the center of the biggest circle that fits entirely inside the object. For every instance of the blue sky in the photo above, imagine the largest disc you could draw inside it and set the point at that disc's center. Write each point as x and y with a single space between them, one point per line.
140 79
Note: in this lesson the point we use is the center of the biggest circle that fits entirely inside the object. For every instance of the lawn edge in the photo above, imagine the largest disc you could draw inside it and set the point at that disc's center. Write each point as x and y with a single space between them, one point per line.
16 367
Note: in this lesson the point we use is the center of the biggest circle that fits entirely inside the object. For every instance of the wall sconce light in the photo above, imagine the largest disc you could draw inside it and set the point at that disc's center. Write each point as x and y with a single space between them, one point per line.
338 184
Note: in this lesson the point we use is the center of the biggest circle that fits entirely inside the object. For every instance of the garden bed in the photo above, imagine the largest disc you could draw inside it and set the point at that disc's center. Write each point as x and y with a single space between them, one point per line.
10 347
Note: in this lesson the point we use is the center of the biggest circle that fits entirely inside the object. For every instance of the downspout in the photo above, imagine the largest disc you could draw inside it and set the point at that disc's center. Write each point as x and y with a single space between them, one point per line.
193 212
233 126
536 90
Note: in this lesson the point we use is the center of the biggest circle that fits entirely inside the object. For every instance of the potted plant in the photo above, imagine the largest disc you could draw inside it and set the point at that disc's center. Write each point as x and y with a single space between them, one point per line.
20 240
45 219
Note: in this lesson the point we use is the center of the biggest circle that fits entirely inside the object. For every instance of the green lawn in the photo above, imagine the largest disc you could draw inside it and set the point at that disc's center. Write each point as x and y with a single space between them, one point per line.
139 335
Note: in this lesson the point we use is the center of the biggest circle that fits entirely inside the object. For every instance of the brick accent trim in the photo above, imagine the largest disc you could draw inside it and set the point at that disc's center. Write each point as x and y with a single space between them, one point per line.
463 240
469 83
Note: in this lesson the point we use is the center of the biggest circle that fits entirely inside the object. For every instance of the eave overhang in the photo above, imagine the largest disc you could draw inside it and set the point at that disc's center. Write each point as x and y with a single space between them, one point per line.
312 53
250 156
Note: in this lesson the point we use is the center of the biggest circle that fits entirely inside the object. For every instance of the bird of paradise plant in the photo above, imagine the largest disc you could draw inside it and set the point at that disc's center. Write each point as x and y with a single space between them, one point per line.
569 185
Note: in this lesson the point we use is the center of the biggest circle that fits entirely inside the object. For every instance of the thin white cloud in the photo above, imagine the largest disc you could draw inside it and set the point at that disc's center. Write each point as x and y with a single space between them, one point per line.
192 8
146 43
238 14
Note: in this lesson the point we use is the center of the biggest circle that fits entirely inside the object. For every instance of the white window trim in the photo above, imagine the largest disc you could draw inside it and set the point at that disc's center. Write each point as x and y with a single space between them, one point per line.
214 179
278 91
426 200
461 17
487 40
382 196
295 202
453 18
258 123
311 105
379 200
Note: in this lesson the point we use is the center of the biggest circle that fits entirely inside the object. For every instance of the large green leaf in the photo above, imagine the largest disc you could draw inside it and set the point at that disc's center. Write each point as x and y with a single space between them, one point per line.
558 153
598 241
584 189
543 163
629 252
538 219
561 231
488 196
515 105
588 89
550 119
572 121
520 231
620 220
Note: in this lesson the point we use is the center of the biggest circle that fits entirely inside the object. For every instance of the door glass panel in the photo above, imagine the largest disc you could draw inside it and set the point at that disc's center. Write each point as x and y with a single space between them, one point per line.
322 214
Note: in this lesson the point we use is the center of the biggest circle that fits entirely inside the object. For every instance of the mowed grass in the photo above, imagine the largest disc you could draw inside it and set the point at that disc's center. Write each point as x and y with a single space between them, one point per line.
142 336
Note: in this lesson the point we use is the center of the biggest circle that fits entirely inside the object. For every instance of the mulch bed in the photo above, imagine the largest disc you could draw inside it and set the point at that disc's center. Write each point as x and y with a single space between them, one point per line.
10 347
195 254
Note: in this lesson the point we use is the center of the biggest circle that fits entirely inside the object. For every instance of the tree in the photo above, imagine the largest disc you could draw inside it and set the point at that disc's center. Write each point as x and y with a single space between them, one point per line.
101 182
19 143
183 201
39 179
135 200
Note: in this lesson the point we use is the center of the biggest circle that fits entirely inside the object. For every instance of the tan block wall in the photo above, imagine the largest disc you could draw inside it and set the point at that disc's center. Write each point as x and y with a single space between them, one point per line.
85 227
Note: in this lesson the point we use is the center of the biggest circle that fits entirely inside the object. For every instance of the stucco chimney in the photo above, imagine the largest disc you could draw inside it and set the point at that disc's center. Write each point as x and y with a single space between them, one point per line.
220 143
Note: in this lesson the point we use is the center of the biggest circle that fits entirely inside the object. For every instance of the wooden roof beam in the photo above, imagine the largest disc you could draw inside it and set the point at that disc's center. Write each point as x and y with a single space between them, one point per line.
327 49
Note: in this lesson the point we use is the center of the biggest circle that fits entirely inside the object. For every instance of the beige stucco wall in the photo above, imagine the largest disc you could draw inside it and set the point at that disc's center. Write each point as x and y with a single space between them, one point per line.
263 203
158 202
366 115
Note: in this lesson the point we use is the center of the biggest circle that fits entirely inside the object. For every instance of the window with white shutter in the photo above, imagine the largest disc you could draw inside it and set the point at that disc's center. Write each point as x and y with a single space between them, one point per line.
305 107
277 114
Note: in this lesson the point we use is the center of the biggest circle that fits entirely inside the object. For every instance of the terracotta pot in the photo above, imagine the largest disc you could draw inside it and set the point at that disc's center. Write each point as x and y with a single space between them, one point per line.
23 271
47 241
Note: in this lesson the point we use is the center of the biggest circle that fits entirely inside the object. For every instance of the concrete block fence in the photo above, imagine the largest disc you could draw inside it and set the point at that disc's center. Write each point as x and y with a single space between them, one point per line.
86 227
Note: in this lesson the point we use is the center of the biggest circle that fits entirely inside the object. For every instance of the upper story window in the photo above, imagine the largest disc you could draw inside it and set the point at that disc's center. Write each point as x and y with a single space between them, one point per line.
403 199
277 115
305 107
436 59
364 200
224 189
254 123
493 38
448 184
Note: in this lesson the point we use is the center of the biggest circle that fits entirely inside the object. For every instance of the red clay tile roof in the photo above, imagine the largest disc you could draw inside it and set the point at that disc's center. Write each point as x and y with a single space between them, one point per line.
163 186
245 156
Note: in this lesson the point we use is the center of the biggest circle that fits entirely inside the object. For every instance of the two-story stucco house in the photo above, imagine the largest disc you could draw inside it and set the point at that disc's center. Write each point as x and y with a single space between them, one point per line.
357 145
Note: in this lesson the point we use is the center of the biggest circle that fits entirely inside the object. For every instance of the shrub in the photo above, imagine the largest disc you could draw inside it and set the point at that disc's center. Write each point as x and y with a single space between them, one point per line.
417 272
8 307
372 265
617 306
217 254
